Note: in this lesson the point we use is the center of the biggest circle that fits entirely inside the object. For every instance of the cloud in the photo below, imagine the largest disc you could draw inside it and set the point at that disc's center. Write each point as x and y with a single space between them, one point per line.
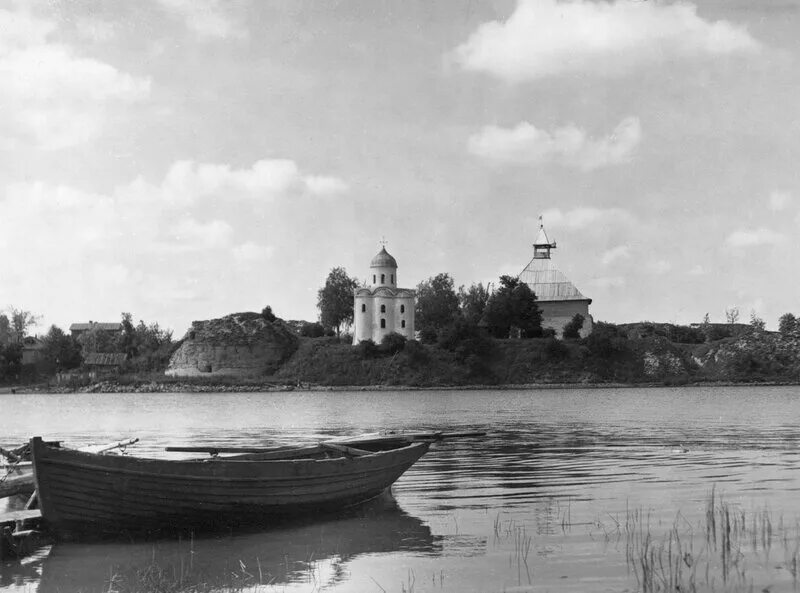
612 255
608 282
145 241
550 37
51 97
207 18
754 238
697 270
525 144
779 200
658 267
586 217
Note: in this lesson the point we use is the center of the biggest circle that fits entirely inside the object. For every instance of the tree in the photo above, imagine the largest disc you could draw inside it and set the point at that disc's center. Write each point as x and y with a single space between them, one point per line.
437 303
60 351
732 315
572 330
472 302
267 314
787 324
513 307
756 322
335 300
21 322
5 329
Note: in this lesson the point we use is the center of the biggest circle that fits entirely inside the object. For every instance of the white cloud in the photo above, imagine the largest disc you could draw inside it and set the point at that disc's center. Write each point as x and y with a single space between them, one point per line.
209 19
525 144
51 97
779 200
754 238
325 186
586 217
608 282
550 37
615 253
143 241
658 267
697 270
251 252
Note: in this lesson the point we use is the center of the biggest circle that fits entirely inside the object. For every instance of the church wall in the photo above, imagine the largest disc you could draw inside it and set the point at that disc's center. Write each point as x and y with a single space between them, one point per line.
557 314
367 324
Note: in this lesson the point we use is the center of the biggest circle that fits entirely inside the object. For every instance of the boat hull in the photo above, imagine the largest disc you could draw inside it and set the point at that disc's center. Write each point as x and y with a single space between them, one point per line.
83 493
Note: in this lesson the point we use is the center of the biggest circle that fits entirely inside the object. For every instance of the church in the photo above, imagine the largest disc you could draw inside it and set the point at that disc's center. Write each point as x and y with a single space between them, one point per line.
557 297
381 308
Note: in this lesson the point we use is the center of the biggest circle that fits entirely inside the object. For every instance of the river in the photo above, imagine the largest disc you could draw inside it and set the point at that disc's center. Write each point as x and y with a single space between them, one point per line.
571 490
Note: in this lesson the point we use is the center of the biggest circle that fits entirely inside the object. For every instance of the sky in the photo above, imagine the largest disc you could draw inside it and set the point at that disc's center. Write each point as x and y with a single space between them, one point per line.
185 159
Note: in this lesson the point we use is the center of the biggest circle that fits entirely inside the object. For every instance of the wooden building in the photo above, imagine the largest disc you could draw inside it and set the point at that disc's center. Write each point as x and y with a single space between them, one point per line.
557 297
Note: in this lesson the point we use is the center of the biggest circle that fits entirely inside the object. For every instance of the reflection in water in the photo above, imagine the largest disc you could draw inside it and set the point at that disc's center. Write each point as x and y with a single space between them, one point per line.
290 553
540 502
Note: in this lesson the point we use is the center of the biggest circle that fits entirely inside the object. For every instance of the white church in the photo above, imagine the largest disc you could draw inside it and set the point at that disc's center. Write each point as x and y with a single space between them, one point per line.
381 308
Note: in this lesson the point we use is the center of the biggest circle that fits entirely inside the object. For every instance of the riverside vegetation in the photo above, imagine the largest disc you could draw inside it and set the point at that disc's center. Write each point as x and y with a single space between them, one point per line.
470 336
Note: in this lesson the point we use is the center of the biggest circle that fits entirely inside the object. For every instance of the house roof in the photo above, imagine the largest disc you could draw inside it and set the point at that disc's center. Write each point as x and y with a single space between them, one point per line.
102 326
549 283
106 359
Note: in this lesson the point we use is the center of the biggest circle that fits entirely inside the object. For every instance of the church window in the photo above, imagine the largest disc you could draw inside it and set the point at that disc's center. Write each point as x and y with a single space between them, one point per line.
363 308
383 278
392 278
383 308
383 324
374 280
403 323
402 308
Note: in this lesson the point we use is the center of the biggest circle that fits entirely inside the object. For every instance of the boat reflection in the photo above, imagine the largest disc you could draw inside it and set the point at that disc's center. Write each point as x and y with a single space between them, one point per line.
286 554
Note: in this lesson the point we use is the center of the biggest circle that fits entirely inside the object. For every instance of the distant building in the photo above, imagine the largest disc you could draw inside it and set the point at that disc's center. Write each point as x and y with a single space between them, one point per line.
101 363
381 308
77 329
557 297
32 350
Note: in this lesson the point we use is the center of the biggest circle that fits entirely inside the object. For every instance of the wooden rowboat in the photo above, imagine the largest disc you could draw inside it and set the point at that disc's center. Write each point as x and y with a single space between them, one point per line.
87 493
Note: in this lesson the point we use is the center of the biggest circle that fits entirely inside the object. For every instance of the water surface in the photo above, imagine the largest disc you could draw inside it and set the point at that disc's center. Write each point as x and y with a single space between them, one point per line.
547 501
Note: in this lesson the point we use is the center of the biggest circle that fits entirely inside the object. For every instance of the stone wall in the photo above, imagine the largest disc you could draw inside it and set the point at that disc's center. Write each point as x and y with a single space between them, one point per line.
242 344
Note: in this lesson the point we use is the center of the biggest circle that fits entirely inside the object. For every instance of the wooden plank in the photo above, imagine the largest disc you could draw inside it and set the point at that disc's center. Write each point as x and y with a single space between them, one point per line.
351 451
24 515
217 450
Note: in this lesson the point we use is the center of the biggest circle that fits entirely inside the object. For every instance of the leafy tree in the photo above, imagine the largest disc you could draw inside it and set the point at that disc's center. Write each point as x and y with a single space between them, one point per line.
513 307
732 315
472 302
787 324
756 322
98 340
20 322
10 362
437 302
572 330
5 329
60 351
335 300
267 314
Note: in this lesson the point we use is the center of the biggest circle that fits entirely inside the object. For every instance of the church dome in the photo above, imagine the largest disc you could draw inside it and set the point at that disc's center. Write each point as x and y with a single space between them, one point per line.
383 260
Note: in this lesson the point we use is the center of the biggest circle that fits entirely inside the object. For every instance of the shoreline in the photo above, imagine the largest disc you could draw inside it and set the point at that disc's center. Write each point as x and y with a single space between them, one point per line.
169 387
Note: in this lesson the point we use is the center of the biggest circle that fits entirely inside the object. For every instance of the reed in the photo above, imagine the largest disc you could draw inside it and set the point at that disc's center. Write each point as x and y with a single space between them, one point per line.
721 552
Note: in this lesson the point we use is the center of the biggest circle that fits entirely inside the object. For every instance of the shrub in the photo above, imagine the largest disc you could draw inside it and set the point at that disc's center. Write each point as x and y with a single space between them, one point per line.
392 343
367 349
312 330
548 332
267 314
428 335
555 349
572 330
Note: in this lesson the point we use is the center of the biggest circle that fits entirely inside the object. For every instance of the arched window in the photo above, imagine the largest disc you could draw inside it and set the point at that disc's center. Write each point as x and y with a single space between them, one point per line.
363 308
392 278
403 323
374 280
383 308
383 324
402 308
383 278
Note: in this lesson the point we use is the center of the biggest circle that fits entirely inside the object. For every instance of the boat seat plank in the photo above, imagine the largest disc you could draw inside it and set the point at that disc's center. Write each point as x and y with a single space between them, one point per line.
21 515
